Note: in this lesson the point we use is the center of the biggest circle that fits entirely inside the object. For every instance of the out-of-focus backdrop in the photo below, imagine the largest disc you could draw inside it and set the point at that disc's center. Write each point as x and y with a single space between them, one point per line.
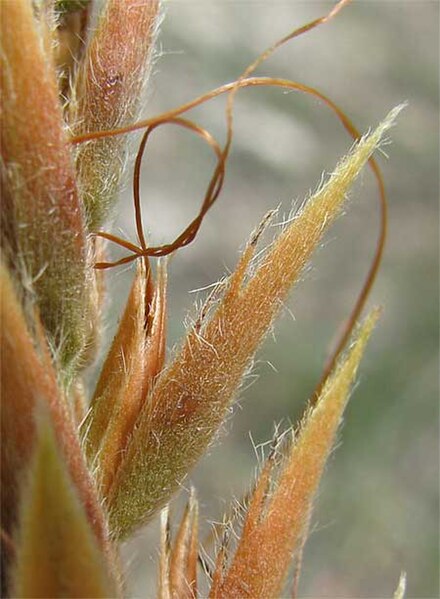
377 511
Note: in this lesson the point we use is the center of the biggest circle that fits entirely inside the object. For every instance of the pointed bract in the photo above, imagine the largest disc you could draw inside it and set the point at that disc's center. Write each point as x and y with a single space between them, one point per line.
57 553
178 559
128 342
275 521
191 397
135 359
184 555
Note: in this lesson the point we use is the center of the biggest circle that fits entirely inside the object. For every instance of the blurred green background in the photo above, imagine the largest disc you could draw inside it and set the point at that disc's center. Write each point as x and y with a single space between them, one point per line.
377 511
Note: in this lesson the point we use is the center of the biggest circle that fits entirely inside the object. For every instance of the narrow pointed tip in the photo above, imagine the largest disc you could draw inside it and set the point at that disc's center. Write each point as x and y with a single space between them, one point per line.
220 566
366 327
394 112
389 121
400 592
345 371
184 553
164 591
165 529
193 504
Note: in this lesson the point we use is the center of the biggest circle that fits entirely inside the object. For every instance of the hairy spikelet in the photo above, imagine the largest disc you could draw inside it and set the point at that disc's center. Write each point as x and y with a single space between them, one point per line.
278 512
191 397
42 217
106 95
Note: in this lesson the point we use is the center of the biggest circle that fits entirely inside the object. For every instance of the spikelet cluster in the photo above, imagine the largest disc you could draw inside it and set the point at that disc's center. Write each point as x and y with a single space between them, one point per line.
81 470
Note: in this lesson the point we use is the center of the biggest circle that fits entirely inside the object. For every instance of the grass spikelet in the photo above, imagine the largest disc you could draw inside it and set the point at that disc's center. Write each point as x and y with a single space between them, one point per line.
57 553
275 521
43 231
134 360
106 95
191 397
21 395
